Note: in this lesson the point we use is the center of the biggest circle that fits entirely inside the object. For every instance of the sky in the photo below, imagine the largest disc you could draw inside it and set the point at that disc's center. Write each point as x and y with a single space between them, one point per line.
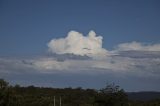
87 43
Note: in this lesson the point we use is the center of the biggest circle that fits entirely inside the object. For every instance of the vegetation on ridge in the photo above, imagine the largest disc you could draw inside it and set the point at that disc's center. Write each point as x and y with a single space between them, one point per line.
111 95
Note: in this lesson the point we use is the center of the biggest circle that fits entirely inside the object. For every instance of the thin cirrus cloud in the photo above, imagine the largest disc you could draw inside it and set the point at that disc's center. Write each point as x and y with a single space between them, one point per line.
76 54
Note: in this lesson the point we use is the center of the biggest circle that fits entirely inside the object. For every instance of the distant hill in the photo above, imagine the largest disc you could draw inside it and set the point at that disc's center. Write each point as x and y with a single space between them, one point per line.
143 96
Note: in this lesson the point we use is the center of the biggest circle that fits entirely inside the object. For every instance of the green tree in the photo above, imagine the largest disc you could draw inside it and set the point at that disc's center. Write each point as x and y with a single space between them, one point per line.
3 92
7 95
112 95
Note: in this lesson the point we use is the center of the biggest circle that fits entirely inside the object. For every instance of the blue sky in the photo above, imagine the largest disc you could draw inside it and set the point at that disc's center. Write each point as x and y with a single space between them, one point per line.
27 25
31 28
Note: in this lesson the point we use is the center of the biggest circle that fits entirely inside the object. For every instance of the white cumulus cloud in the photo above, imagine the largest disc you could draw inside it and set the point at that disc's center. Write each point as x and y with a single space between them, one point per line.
138 47
70 56
78 44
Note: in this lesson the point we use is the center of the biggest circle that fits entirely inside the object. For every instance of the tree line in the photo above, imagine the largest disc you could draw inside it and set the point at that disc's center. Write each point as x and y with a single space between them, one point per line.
111 95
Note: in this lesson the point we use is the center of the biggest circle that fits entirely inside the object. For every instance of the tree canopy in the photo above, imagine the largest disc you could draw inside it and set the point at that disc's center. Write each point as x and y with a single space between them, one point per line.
111 95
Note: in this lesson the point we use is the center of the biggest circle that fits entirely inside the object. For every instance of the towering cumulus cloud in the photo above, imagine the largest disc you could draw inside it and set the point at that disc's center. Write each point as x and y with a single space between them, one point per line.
78 44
